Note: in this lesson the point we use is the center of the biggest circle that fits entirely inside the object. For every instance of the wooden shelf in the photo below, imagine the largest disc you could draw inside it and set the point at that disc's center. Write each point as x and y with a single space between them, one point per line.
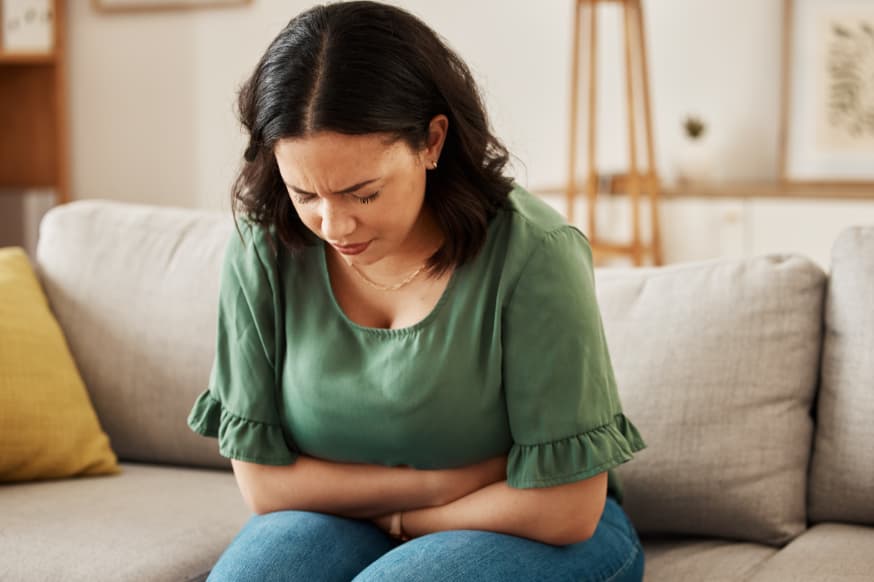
34 115
12 58
770 190
734 189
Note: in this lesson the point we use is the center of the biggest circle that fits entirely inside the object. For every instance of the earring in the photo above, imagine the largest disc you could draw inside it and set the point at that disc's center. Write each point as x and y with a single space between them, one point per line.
434 165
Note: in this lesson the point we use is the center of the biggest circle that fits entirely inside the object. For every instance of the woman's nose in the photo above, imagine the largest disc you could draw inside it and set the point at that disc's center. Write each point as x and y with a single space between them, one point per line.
337 224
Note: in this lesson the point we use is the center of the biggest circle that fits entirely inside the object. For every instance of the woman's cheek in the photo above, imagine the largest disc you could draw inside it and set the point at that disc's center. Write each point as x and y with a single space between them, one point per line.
309 220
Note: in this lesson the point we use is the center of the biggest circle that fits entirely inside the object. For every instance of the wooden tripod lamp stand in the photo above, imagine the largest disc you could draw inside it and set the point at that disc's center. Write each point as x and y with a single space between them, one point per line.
637 181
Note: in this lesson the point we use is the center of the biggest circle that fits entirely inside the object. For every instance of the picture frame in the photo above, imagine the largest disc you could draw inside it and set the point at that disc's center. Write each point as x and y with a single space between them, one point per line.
27 26
162 5
826 135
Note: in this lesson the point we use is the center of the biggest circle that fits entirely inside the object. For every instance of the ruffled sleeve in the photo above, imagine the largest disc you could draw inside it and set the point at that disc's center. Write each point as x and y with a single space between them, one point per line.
241 404
563 405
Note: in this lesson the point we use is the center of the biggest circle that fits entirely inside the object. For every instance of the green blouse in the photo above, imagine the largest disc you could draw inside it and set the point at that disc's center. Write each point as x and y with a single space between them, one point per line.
512 360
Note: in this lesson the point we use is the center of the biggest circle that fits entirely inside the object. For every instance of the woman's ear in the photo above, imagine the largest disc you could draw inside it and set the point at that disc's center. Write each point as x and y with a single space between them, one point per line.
437 129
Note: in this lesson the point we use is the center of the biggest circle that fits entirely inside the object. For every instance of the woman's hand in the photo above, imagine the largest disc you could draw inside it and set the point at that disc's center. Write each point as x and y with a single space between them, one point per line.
383 522
447 485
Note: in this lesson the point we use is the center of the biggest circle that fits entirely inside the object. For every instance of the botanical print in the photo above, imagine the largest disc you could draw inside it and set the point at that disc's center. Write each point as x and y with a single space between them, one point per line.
27 26
846 83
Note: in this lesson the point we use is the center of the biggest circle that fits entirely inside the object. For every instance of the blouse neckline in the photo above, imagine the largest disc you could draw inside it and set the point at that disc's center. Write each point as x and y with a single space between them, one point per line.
326 281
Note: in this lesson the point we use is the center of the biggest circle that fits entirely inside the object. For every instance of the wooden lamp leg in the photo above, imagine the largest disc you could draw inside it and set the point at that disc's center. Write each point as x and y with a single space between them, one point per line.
571 186
636 182
653 181
633 170
592 182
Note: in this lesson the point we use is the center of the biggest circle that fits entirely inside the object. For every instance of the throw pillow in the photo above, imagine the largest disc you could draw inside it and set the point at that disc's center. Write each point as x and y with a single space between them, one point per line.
842 467
717 362
48 428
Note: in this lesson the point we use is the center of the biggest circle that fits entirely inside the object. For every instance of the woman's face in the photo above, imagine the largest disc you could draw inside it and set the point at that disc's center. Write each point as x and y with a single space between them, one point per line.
363 197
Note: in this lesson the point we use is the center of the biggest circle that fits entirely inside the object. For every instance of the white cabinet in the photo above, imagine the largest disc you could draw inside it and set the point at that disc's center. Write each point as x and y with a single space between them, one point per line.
704 228
809 227
697 228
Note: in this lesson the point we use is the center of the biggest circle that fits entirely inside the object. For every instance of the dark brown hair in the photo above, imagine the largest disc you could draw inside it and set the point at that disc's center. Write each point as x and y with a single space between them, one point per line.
360 68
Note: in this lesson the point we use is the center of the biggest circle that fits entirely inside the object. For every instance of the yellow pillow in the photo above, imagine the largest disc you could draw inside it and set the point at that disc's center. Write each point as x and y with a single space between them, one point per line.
48 428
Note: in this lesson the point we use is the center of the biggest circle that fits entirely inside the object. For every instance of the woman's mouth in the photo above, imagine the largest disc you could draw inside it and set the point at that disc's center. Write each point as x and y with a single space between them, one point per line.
353 249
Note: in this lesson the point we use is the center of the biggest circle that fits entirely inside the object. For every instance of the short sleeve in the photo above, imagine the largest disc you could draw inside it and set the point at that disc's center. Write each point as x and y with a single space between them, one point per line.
563 405
240 405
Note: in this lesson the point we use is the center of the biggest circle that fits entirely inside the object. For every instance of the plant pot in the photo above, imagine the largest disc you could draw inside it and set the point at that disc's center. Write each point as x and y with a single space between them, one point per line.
694 162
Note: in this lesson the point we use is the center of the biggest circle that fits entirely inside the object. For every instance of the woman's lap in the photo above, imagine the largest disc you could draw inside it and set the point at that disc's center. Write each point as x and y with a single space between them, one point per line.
613 553
299 545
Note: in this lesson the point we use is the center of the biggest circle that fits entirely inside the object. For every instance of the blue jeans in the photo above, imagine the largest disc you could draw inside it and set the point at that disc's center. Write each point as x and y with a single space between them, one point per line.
317 547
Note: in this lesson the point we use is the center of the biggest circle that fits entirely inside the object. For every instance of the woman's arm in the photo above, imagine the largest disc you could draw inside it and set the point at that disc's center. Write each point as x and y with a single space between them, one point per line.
357 490
560 515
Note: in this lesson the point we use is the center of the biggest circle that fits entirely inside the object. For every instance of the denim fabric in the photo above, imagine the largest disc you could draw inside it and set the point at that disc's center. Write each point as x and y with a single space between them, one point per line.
316 547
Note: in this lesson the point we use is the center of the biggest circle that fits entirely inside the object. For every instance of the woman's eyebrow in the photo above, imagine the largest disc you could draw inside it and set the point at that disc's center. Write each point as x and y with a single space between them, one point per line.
348 190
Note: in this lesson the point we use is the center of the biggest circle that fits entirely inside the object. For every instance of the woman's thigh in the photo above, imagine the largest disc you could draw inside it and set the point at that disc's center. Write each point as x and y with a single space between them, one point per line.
301 545
613 553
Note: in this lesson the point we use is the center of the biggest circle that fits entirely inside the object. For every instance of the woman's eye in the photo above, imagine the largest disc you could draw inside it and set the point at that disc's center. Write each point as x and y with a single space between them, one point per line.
301 199
368 199
304 199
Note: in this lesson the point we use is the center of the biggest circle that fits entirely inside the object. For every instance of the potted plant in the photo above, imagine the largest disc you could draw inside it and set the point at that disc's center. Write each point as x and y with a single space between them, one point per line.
693 163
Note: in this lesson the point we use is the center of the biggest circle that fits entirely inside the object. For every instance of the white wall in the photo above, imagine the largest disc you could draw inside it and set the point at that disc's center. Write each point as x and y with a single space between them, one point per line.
152 94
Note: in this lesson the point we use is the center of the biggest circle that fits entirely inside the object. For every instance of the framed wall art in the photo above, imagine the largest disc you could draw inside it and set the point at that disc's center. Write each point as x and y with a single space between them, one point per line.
827 93
27 26
154 5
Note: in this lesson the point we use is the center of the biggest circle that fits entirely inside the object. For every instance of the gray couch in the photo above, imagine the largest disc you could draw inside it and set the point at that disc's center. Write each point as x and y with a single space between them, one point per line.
751 380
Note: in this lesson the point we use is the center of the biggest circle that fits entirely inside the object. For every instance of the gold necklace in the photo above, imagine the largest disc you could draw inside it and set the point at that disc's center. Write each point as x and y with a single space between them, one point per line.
394 287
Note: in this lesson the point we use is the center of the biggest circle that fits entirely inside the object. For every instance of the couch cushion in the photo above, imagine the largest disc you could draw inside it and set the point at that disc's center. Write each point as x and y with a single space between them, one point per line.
827 551
842 470
717 363
694 560
149 523
48 428
135 289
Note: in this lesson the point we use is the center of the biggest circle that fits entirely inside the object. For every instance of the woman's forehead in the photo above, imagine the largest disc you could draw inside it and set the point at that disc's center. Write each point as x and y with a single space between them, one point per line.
333 159
327 146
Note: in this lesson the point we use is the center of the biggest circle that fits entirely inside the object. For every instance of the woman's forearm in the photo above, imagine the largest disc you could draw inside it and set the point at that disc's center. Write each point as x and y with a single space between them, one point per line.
559 515
347 489
359 490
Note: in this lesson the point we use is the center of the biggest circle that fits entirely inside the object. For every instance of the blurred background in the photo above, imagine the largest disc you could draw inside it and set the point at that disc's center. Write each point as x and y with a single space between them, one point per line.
147 102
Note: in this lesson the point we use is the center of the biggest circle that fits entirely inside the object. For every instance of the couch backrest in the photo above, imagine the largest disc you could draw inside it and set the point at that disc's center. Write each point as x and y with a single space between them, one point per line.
717 365
135 290
842 470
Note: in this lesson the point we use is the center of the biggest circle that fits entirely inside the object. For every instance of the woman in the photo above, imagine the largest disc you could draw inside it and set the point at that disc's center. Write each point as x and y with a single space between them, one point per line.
411 378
